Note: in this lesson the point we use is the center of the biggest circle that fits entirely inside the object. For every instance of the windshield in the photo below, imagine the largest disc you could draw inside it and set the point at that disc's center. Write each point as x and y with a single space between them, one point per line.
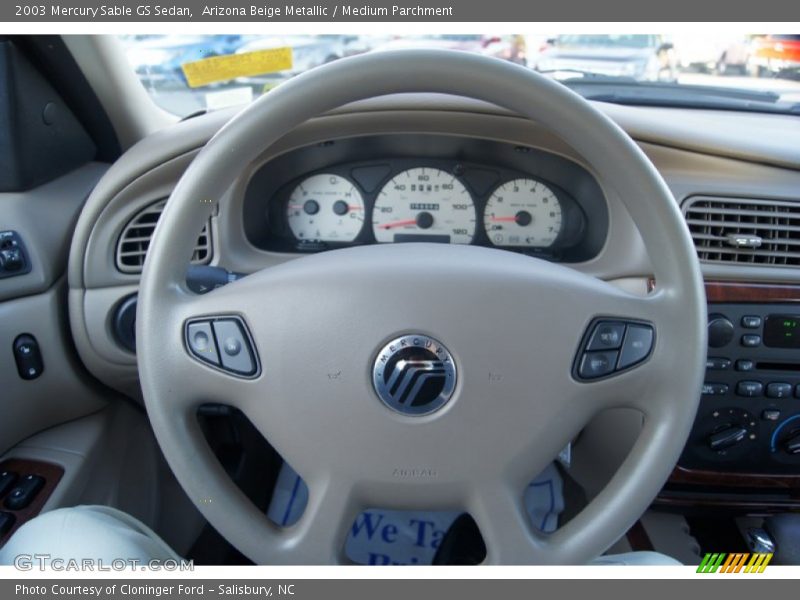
186 74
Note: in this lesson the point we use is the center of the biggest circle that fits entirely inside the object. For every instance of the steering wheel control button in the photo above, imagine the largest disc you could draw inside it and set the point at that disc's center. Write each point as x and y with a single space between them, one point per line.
779 390
414 375
236 355
613 345
720 331
717 364
200 339
7 521
606 336
597 364
749 389
12 255
637 345
7 479
26 490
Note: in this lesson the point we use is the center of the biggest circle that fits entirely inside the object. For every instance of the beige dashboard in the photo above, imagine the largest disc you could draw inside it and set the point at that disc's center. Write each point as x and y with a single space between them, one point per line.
717 154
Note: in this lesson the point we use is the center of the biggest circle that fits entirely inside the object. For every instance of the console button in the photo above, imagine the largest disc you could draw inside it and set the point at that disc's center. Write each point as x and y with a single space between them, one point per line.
7 479
200 338
715 389
597 364
7 521
636 346
236 355
606 336
22 495
717 364
720 330
771 414
779 390
749 389
12 260
28 357
730 436
751 340
745 365
751 322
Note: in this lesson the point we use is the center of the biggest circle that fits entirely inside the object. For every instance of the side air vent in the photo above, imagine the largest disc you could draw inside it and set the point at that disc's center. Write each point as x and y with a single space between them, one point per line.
135 240
744 231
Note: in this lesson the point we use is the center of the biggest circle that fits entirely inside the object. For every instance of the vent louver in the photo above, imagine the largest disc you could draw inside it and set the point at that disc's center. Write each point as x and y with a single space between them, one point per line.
135 240
744 231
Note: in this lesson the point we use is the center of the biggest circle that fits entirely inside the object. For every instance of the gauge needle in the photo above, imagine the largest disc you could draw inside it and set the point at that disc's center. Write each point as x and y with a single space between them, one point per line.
503 219
398 223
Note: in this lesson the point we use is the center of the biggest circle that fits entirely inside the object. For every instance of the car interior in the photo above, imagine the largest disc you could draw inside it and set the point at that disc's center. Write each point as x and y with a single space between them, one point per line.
418 305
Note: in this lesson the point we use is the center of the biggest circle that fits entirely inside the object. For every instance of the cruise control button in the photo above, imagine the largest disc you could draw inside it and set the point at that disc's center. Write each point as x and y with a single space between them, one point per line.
597 364
22 495
201 342
749 389
7 479
717 364
606 336
636 346
236 355
7 521
779 390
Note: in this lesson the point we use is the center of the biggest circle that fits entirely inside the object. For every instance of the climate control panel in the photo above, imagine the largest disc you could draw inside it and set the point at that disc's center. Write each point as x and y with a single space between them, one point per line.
749 415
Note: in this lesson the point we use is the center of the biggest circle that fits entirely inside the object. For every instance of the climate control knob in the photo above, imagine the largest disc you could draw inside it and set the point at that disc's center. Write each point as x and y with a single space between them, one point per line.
727 437
720 331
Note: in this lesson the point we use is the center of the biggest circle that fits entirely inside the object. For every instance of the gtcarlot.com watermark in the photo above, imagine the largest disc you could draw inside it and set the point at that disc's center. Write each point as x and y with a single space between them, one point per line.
42 562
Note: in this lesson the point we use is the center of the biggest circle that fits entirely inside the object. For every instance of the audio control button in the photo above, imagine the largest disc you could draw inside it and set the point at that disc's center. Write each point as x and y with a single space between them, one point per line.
771 414
715 389
751 322
717 364
751 340
745 365
779 390
749 389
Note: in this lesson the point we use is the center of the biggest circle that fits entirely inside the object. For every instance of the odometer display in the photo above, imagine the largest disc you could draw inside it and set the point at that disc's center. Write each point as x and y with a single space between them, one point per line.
424 204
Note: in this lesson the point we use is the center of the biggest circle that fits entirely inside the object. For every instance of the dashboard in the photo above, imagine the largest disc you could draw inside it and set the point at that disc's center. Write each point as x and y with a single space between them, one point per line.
425 188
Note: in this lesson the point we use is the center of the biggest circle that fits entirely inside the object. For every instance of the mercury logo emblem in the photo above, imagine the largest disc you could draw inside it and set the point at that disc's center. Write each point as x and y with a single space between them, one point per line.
414 375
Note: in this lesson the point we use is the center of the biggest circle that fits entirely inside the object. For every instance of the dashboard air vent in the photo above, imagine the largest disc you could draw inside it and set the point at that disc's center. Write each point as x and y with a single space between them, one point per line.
135 239
744 231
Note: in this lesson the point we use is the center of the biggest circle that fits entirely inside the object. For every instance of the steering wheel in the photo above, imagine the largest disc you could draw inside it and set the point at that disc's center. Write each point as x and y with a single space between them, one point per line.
372 371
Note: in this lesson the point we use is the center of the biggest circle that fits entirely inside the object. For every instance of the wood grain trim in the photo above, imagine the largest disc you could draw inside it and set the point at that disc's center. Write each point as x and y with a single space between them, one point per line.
684 476
52 475
745 292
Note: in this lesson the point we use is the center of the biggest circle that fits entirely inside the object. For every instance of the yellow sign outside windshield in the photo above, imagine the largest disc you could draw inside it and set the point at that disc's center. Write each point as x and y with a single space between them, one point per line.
247 64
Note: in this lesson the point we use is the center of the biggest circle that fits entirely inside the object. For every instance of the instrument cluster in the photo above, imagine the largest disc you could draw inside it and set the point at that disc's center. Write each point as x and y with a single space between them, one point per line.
511 204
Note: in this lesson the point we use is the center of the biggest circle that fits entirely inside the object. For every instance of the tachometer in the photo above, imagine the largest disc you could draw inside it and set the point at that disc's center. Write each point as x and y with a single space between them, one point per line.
325 208
424 205
523 212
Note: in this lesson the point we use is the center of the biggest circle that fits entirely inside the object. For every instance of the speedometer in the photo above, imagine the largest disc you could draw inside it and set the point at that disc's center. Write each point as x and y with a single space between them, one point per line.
325 208
523 212
424 205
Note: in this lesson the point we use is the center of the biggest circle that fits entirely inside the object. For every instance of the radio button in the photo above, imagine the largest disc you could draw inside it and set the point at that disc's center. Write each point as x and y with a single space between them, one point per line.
715 389
749 389
779 390
745 365
751 341
751 322
718 364
771 414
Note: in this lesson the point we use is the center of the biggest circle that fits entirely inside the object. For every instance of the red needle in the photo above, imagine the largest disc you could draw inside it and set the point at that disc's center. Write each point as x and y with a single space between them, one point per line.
503 219
399 223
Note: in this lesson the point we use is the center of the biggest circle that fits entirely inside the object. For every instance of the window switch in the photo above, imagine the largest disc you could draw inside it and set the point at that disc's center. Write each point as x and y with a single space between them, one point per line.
7 521
7 479
24 493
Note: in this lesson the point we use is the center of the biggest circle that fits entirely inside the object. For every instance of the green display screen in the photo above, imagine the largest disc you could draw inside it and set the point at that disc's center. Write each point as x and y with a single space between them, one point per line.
782 331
